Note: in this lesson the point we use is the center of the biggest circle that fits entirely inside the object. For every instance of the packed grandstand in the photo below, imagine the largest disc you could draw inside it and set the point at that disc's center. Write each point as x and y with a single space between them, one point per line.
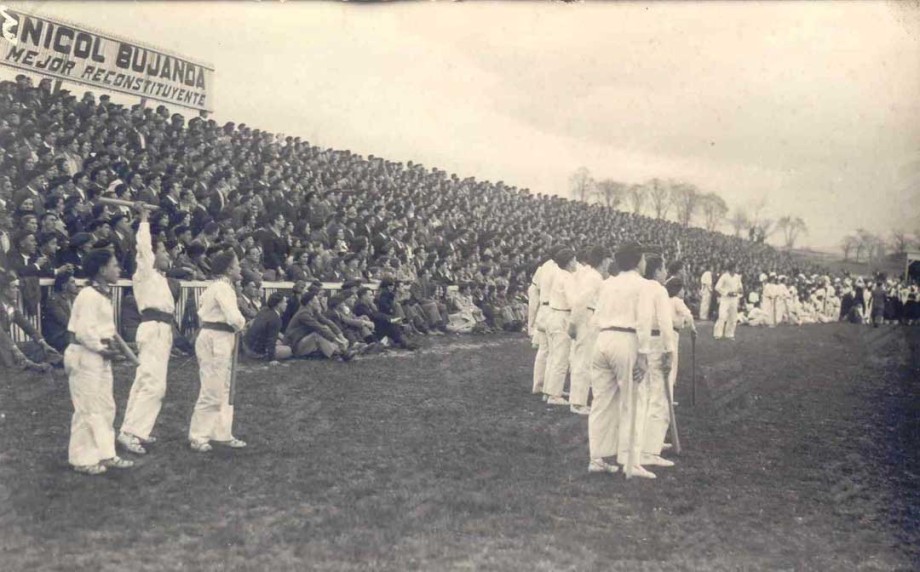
453 254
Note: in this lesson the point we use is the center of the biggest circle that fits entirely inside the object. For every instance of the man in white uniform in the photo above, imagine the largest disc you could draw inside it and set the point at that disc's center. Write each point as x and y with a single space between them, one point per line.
154 341
539 291
729 288
660 349
782 295
557 327
705 294
87 362
768 303
583 327
611 427
221 320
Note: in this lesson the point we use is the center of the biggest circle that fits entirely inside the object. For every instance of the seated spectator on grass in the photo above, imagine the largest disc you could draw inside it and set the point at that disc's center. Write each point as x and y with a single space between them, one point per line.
262 339
385 326
464 316
308 336
37 356
357 329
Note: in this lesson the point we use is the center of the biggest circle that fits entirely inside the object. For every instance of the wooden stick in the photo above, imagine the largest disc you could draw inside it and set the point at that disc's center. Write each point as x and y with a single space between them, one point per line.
125 349
234 361
633 398
675 437
693 369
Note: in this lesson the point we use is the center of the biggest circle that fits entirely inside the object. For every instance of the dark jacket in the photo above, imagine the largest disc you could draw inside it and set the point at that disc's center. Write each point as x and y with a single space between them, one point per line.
55 316
263 332
304 323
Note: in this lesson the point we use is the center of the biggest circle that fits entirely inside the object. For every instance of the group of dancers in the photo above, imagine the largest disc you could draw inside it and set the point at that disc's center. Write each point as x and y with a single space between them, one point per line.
616 337
95 342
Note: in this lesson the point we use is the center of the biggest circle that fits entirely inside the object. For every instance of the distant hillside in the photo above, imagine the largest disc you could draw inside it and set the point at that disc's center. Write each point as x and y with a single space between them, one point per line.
893 264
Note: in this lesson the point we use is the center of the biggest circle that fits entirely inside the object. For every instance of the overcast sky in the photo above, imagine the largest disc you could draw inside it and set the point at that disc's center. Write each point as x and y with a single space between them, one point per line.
815 106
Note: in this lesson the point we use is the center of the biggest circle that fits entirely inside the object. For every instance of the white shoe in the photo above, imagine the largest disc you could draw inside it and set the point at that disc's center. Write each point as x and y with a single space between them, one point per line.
639 471
545 397
131 443
233 443
117 462
656 461
557 401
580 409
666 446
200 446
602 466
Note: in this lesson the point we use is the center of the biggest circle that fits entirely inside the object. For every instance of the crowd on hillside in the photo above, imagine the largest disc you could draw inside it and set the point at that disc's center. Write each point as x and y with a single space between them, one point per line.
296 212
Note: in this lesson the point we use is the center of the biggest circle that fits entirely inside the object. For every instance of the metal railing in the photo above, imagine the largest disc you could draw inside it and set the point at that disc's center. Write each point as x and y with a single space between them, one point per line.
188 293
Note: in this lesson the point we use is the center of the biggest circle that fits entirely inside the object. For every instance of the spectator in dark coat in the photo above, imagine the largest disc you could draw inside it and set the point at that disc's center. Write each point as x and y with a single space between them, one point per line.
385 326
41 355
261 339
56 311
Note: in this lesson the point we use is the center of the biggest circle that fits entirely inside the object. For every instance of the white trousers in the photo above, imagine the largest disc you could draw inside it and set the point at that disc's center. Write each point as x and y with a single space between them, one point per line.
768 306
612 365
658 416
705 303
582 352
213 415
154 343
542 342
728 318
781 310
560 347
92 434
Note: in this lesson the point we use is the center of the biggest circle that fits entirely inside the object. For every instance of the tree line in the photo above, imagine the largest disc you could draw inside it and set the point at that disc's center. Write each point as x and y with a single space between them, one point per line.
685 203
865 246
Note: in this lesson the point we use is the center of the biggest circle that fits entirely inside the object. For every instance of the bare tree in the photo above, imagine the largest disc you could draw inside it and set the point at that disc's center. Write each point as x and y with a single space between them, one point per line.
740 221
877 248
863 243
791 227
714 210
611 192
685 198
658 193
899 241
582 184
635 196
848 244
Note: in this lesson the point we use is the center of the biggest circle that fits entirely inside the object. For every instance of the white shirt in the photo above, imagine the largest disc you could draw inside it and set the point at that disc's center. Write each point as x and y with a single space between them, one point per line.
769 291
92 319
729 284
151 289
681 315
218 304
626 301
588 282
564 290
548 273
706 281
658 306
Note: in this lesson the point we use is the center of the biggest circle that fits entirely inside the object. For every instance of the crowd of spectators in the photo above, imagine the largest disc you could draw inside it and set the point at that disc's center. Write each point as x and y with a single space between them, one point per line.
297 212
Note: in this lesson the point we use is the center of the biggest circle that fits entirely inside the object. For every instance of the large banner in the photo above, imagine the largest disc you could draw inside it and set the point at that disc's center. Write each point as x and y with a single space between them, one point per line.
68 52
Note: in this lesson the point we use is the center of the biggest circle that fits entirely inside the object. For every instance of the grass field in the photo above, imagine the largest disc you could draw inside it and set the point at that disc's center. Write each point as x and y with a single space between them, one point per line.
800 455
